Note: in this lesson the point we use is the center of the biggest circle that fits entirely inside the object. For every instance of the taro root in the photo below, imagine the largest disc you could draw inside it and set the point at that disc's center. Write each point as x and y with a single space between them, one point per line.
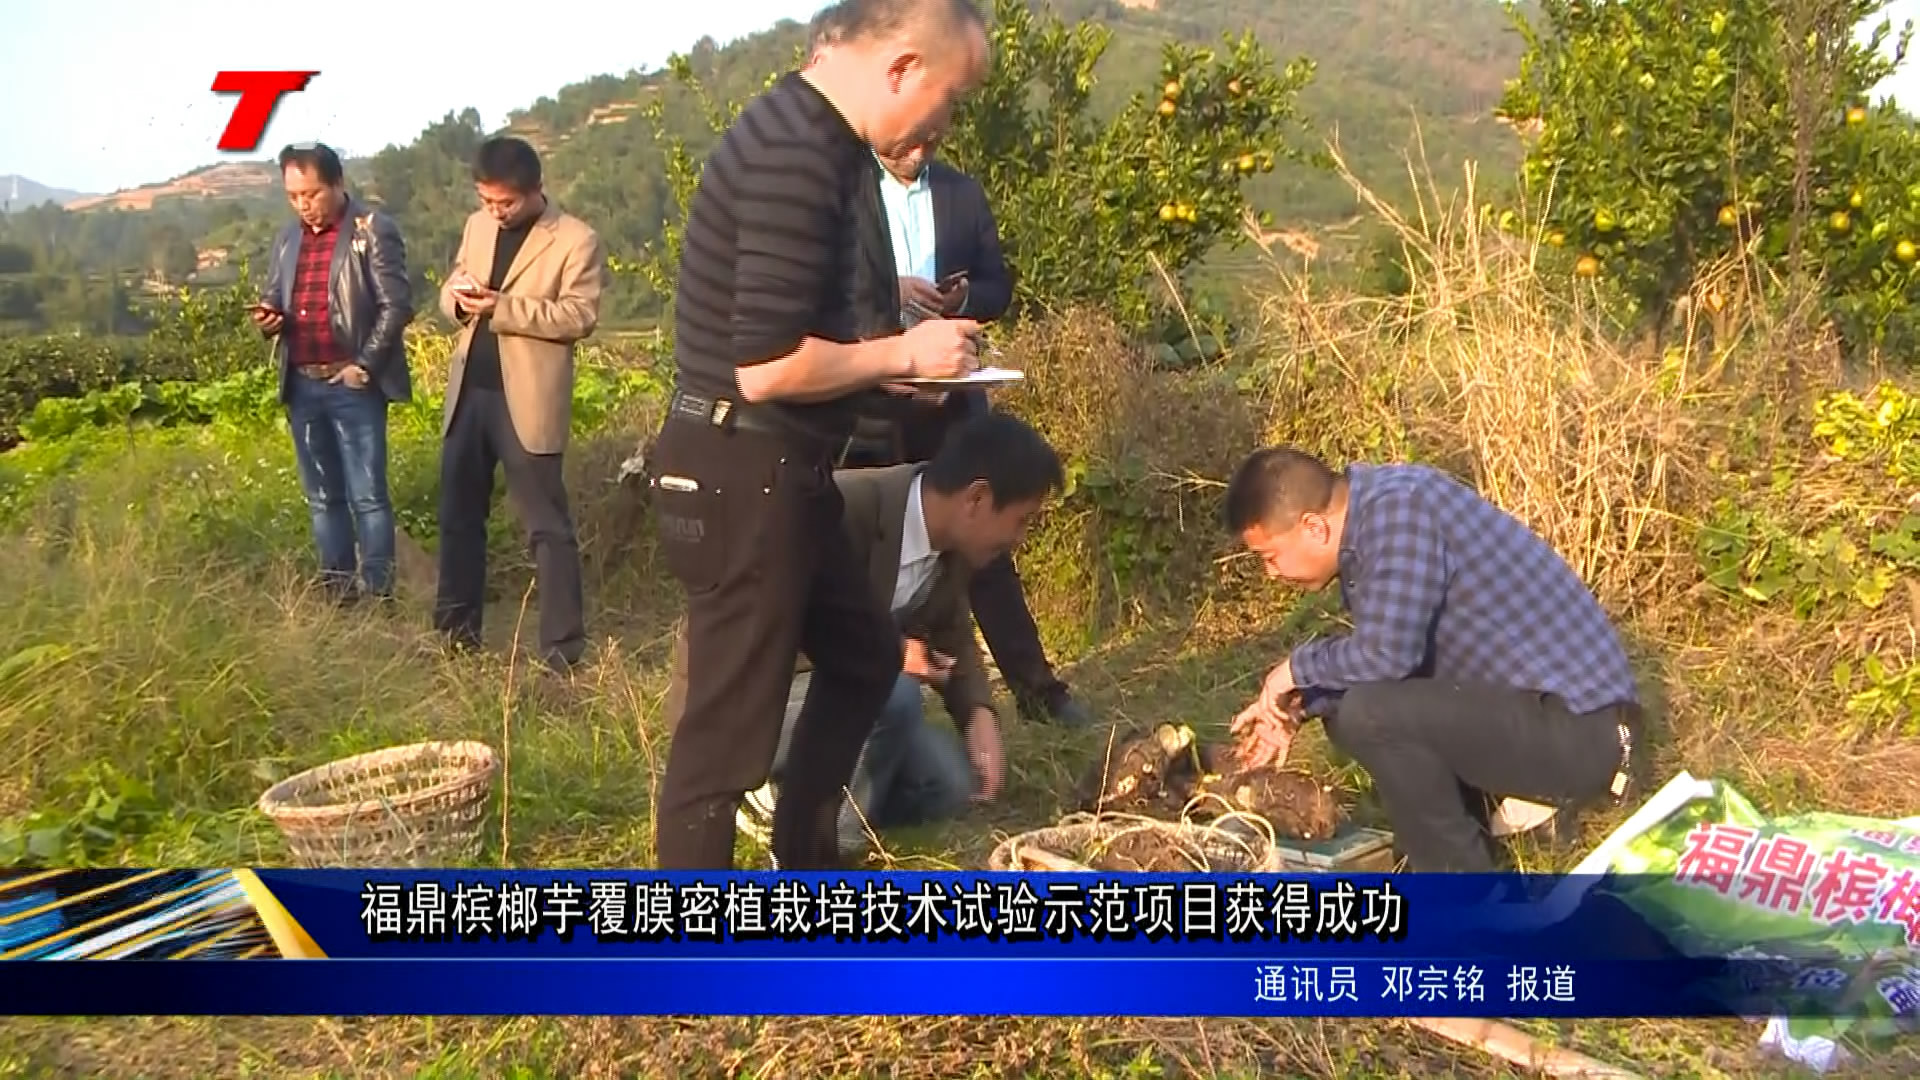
1148 851
1144 770
1296 804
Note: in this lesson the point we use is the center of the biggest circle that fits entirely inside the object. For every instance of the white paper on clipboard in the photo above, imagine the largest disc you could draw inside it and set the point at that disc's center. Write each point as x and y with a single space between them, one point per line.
986 376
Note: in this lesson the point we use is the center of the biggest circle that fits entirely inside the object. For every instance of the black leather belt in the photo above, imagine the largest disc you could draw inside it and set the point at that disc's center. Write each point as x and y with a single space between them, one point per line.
729 415
718 412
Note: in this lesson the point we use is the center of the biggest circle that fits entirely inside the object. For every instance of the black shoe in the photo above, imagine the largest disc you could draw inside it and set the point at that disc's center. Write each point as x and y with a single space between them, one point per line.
558 689
458 643
1062 710
564 664
337 590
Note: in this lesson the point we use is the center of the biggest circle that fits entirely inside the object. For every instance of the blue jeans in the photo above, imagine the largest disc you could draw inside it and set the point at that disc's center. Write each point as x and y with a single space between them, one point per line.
910 772
340 446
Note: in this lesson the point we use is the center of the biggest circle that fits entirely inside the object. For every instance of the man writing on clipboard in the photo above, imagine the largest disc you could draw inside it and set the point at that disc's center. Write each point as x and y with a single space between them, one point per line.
784 276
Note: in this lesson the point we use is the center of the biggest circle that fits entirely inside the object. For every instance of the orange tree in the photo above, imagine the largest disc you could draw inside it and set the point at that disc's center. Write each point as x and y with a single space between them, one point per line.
1666 133
1084 205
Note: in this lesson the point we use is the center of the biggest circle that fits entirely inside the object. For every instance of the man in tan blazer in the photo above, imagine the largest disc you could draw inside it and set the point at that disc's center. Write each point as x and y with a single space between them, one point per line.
525 287
920 530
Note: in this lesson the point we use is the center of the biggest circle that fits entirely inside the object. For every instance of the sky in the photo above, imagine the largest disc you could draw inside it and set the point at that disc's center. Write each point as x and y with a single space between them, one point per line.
109 94
98 95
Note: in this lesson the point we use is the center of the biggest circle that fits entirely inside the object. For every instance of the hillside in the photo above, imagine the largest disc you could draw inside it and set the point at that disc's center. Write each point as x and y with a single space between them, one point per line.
1386 69
1383 67
227 180
19 193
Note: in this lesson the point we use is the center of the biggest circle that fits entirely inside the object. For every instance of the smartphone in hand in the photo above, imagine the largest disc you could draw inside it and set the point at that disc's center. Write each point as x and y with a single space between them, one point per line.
951 281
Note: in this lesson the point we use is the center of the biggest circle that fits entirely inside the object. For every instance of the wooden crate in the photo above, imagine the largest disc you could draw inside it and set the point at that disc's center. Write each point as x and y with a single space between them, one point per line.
1353 850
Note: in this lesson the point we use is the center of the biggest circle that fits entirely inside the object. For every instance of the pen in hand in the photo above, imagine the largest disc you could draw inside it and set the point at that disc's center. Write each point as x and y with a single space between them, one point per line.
920 312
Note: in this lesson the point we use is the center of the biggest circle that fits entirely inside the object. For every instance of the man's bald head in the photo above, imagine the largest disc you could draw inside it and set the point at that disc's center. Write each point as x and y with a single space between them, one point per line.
896 68
927 23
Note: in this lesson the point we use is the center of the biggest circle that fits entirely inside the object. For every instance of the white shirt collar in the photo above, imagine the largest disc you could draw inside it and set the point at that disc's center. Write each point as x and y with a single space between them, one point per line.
917 557
918 184
915 546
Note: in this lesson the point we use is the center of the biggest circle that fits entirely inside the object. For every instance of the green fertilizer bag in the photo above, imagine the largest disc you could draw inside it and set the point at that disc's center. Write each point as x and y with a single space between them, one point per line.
1832 901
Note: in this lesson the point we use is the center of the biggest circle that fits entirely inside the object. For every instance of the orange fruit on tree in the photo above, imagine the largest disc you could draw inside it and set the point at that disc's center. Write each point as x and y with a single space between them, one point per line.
1729 217
1857 114
1167 212
1587 266
1167 107
1839 221
1246 163
1905 251
1172 89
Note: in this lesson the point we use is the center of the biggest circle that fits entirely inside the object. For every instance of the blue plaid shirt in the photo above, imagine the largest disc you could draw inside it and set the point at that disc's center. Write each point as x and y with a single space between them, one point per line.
1443 584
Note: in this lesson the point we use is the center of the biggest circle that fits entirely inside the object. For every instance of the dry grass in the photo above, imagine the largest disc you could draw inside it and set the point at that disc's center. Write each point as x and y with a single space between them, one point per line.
185 645
1136 538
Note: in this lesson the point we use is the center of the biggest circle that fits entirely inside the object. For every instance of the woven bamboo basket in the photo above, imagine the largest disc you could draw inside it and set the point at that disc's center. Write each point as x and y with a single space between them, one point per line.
418 805
1203 848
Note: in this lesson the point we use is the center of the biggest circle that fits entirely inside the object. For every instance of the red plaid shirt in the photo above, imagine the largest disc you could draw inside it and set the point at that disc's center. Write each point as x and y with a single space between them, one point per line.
309 326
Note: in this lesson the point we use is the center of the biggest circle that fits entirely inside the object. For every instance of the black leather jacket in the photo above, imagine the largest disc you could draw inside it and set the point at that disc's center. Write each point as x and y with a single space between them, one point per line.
371 297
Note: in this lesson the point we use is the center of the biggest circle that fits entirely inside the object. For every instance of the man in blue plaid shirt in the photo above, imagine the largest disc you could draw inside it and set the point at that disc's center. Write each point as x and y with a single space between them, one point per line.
1479 663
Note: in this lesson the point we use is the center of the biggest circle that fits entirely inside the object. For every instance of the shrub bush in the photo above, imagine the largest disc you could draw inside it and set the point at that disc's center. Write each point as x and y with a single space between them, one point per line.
1137 532
33 369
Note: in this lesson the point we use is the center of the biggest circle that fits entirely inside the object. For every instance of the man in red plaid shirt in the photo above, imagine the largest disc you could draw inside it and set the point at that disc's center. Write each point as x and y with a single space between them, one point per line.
336 303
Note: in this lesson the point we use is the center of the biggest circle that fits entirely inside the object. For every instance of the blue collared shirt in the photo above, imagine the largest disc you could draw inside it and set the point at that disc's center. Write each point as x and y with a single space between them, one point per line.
910 220
1440 582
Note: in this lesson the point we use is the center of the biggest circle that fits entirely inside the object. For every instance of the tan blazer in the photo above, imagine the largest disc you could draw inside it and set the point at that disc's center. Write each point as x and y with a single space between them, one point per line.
549 299
875 522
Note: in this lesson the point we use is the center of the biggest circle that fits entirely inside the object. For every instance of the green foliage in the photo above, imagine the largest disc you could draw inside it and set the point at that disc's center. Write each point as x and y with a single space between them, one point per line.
249 400
1885 429
68 365
1844 570
209 327
1675 132
1086 207
659 260
1750 555
196 334
112 810
237 411
1881 699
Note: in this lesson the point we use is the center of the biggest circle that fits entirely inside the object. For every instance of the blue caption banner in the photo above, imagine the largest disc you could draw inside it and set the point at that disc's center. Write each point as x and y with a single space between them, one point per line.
634 942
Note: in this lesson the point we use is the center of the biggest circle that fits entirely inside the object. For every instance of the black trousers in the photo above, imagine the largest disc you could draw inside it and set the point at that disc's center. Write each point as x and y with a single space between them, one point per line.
998 599
481 437
750 524
1437 748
